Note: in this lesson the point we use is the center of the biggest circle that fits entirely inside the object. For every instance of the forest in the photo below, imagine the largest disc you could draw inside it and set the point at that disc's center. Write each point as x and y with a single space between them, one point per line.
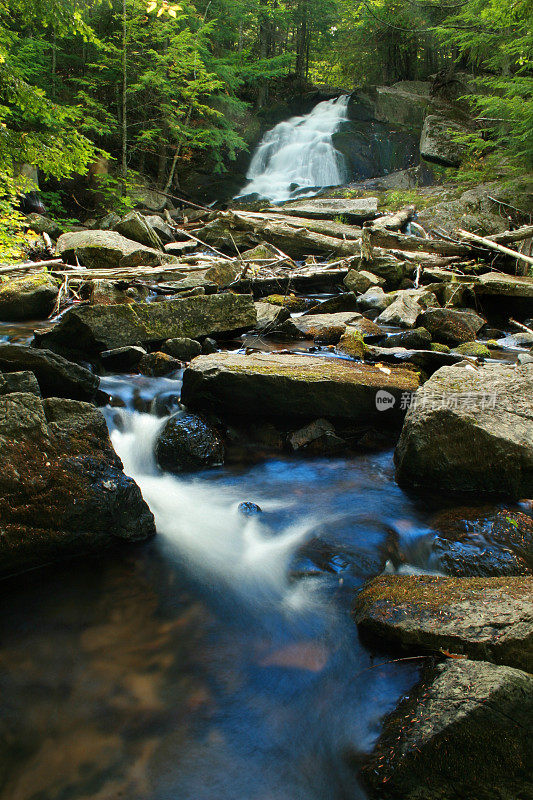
156 88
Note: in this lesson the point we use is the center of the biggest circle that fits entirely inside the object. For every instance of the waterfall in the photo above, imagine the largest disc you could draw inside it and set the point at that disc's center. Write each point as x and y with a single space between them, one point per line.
299 155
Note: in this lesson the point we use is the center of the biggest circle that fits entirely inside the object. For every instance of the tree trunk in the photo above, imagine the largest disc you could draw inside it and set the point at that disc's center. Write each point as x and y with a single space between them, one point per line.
124 160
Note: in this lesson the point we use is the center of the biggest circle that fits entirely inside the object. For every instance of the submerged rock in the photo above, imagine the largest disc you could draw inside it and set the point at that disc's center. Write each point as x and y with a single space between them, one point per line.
484 618
187 443
92 329
470 430
28 297
249 509
57 377
62 485
282 385
463 733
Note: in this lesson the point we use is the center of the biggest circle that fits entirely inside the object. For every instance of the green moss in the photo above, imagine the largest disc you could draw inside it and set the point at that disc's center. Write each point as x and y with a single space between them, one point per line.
475 349
439 348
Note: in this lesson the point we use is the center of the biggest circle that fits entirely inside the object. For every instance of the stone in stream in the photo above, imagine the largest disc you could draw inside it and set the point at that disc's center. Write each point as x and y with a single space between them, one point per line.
352 344
158 364
269 316
474 349
406 308
490 619
108 250
28 297
360 281
107 293
188 443
470 430
413 339
91 329
333 305
290 301
249 509
451 326
122 359
137 228
62 485
295 386
182 348
496 284
56 376
463 733
375 298
19 382
325 328
224 274
427 360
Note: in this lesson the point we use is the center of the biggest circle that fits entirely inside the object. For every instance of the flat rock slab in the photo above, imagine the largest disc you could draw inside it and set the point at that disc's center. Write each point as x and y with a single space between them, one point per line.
463 733
283 385
95 328
327 328
470 430
56 376
489 619
497 284
331 208
107 250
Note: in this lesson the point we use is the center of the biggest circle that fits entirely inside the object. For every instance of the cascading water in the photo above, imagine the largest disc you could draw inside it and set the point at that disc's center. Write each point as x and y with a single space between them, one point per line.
299 154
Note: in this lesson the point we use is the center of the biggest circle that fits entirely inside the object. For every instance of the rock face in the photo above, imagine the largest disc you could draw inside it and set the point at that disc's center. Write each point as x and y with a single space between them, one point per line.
464 733
470 431
62 485
108 249
57 377
29 297
450 326
188 443
91 329
484 618
279 385
437 143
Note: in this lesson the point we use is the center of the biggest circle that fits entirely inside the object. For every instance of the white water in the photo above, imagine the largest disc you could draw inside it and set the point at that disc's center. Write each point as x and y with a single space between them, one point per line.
299 153
205 528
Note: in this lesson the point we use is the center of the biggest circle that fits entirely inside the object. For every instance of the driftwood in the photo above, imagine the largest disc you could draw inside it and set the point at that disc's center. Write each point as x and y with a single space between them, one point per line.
492 245
525 232
395 221
521 326
401 241
27 266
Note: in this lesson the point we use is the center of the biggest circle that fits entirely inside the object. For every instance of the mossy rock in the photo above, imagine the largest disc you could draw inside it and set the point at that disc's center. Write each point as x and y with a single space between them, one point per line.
352 344
439 348
28 297
475 349
290 301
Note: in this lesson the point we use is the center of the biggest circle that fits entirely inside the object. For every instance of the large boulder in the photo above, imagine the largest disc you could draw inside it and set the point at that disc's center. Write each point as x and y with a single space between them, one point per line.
188 443
107 250
438 142
136 227
490 619
451 326
57 377
281 385
470 430
28 297
91 329
463 733
62 485
407 307
325 328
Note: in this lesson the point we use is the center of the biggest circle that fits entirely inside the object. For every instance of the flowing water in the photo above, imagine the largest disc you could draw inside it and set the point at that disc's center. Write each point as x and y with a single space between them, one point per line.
297 156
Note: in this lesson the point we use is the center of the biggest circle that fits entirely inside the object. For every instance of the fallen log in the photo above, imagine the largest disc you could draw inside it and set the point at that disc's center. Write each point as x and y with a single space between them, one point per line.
402 241
491 245
394 221
29 265
525 232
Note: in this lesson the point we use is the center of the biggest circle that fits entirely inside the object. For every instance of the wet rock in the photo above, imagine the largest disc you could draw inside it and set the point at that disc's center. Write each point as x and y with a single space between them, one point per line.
428 361
451 326
209 346
475 349
19 382
158 364
414 339
249 509
95 328
490 619
282 385
319 431
224 274
57 377
352 344
333 305
269 316
437 142
182 348
187 443
122 359
62 485
137 228
28 297
108 249
375 299
406 308
290 301
360 281
325 328
480 423
462 733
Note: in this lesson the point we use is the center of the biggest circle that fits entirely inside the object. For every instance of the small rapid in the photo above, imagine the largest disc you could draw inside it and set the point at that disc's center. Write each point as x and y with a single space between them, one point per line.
298 156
